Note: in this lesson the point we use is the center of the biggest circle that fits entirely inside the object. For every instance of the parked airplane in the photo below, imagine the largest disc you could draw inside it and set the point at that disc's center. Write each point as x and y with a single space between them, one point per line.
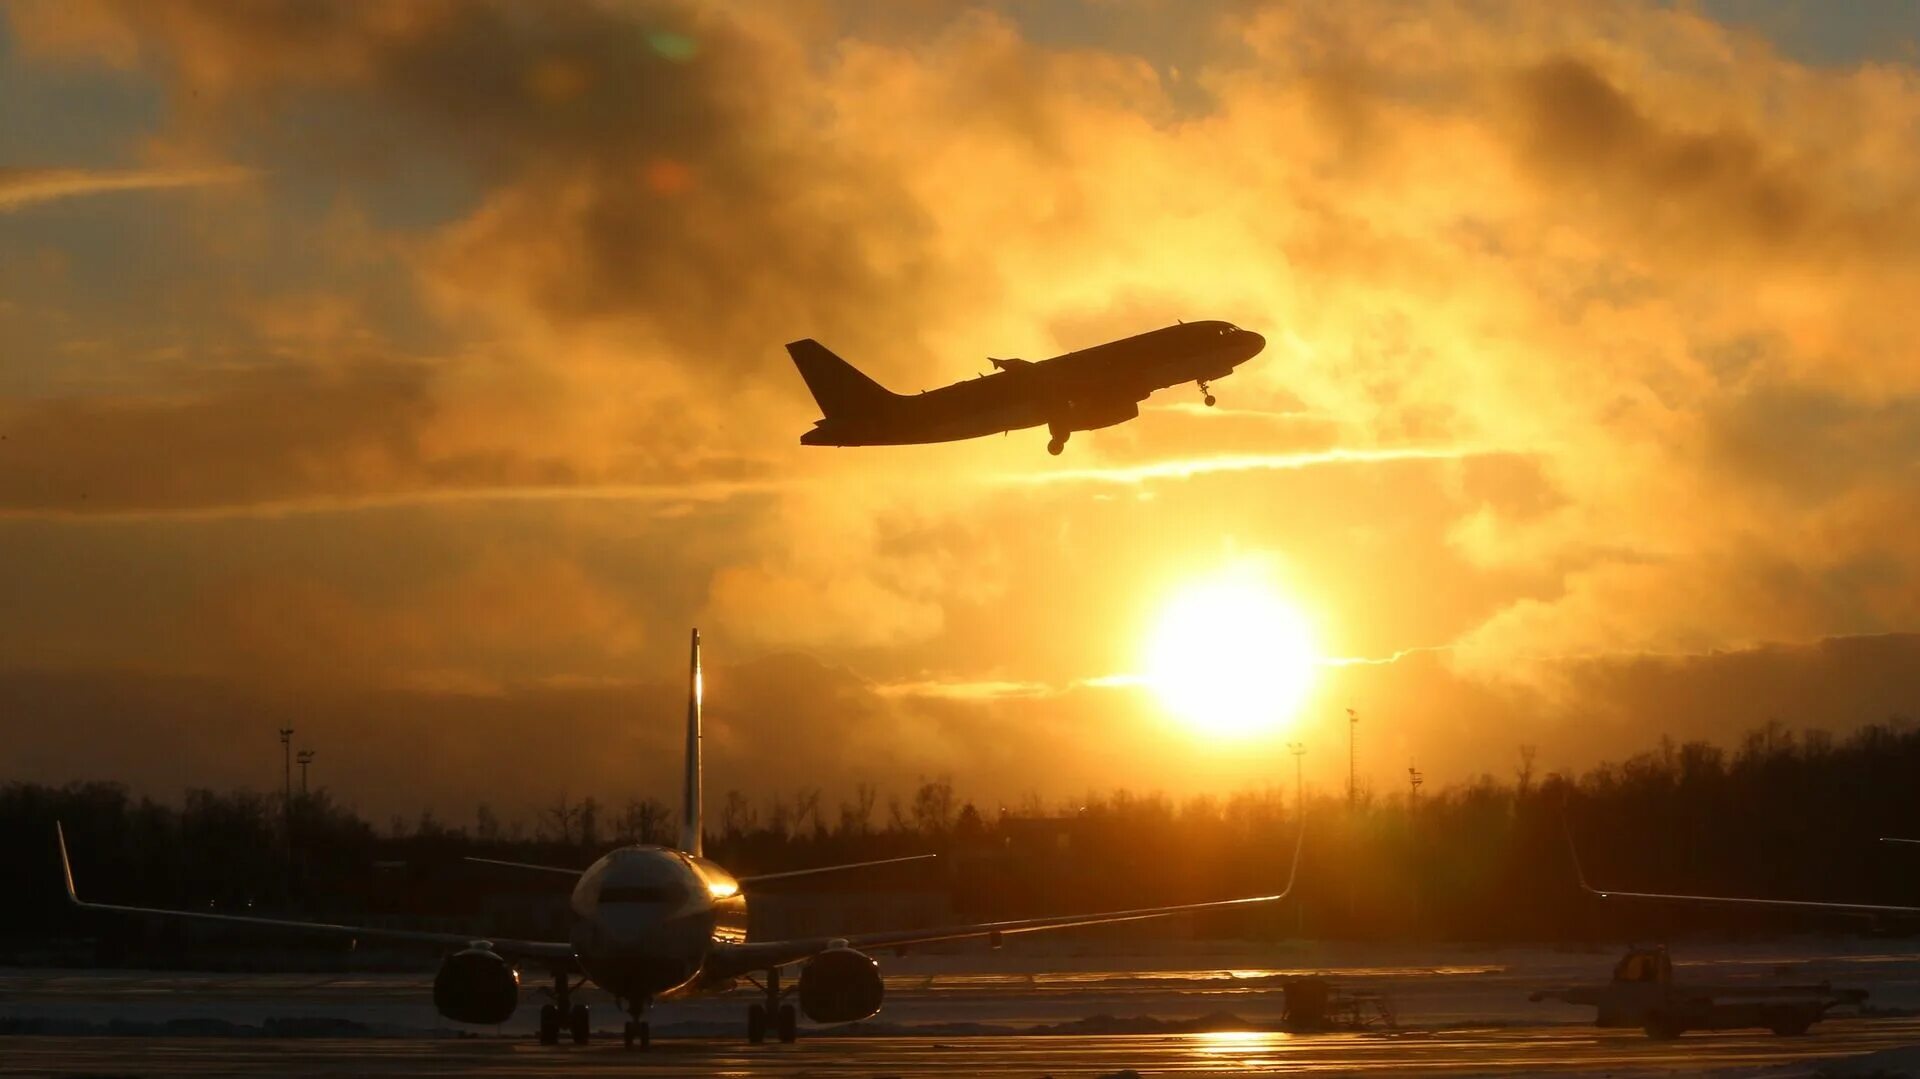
656 923
1737 901
1079 391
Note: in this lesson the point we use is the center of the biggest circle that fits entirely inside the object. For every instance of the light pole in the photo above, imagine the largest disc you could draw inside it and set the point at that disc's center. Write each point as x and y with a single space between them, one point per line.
1414 779
286 767
1299 751
304 757
1353 774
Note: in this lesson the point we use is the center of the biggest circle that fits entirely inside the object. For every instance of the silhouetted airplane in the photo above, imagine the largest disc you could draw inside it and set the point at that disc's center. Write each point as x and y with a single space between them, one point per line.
1831 906
655 922
1080 391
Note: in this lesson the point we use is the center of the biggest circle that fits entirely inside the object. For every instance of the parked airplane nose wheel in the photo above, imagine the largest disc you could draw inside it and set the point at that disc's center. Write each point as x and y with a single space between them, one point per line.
637 1033
788 1025
578 1024
1056 445
756 1023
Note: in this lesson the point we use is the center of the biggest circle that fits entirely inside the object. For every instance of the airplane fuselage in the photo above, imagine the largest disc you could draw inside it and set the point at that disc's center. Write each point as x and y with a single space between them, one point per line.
1078 391
649 917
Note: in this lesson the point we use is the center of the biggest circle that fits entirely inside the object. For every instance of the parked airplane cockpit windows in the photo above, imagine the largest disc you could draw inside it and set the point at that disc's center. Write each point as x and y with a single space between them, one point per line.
643 893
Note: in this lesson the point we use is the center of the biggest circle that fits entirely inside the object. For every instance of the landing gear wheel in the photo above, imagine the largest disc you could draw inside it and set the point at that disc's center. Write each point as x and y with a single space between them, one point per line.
578 1024
756 1023
787 1024
549 1025
1054 446
637 1033
1208 400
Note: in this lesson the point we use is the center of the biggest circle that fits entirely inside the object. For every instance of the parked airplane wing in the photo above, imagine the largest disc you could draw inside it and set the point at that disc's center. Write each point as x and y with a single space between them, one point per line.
562 870
732 960
762 878
544 951
1741 901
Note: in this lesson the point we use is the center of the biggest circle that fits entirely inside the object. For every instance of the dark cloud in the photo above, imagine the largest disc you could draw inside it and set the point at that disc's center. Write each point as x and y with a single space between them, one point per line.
1718 185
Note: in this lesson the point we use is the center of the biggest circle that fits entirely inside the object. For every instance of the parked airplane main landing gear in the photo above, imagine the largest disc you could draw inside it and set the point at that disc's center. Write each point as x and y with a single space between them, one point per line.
575 1017
638 1033
785 1020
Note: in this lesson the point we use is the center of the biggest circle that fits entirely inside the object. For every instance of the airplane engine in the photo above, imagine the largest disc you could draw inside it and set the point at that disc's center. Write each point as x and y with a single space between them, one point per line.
476 986
840 986
1093 415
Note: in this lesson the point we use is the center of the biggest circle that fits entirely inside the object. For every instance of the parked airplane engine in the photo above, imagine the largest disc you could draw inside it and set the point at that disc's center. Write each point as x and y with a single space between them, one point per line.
1093 415
476 986
840 986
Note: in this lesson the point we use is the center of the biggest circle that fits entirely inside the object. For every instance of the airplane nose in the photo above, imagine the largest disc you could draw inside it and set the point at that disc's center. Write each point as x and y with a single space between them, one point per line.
1254 342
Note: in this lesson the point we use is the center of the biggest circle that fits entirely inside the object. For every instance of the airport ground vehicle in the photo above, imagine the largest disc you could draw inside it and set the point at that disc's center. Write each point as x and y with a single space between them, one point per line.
1643 993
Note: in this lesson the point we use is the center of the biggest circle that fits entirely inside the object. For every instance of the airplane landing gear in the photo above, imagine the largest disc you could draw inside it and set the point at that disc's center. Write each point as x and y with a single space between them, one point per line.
1207 399
578 1022
785 1021
638 1033
1058 439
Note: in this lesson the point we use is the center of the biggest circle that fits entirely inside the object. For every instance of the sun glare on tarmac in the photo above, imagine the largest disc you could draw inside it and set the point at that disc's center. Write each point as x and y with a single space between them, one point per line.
1232 656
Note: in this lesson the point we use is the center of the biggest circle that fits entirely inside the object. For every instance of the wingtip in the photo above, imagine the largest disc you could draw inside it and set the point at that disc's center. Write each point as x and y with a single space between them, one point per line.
1293 871
1573 852
66 864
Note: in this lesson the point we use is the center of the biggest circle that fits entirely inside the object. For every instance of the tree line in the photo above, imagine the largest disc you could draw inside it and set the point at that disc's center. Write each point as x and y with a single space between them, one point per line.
1780 813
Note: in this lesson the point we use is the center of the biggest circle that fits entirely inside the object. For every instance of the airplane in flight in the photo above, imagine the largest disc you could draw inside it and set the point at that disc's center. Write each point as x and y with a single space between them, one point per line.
1079 391
656 923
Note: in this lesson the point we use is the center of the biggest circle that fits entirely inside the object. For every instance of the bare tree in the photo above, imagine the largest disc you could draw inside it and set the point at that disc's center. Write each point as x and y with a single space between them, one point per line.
806 806
779 817
559 816
588 816
856 817
486 825
645 821
1523 775
737 815
933 806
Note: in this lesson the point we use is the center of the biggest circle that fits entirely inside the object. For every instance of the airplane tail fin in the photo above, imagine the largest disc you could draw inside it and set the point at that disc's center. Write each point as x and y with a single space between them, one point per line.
690 793
837 386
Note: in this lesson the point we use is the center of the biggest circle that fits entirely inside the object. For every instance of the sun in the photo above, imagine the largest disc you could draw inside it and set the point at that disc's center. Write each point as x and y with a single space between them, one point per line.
1232 656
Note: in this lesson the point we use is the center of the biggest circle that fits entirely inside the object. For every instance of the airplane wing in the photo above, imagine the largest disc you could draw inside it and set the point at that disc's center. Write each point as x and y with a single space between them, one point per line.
762 878
562 870
1897 839
551 952
732 960
1738 901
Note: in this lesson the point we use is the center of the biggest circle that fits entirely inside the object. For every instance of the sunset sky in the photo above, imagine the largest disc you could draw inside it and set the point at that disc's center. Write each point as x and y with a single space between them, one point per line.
411 375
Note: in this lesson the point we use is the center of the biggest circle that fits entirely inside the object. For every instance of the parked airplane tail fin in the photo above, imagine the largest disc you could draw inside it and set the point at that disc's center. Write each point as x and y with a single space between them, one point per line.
838 386
690 793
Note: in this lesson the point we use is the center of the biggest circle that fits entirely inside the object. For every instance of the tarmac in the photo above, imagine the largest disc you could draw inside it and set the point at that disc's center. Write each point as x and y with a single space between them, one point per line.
1529 1050
1458 1011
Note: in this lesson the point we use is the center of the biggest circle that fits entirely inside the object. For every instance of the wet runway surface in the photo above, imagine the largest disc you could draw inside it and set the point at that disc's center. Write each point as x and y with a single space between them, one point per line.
1467 1052
1459 1011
